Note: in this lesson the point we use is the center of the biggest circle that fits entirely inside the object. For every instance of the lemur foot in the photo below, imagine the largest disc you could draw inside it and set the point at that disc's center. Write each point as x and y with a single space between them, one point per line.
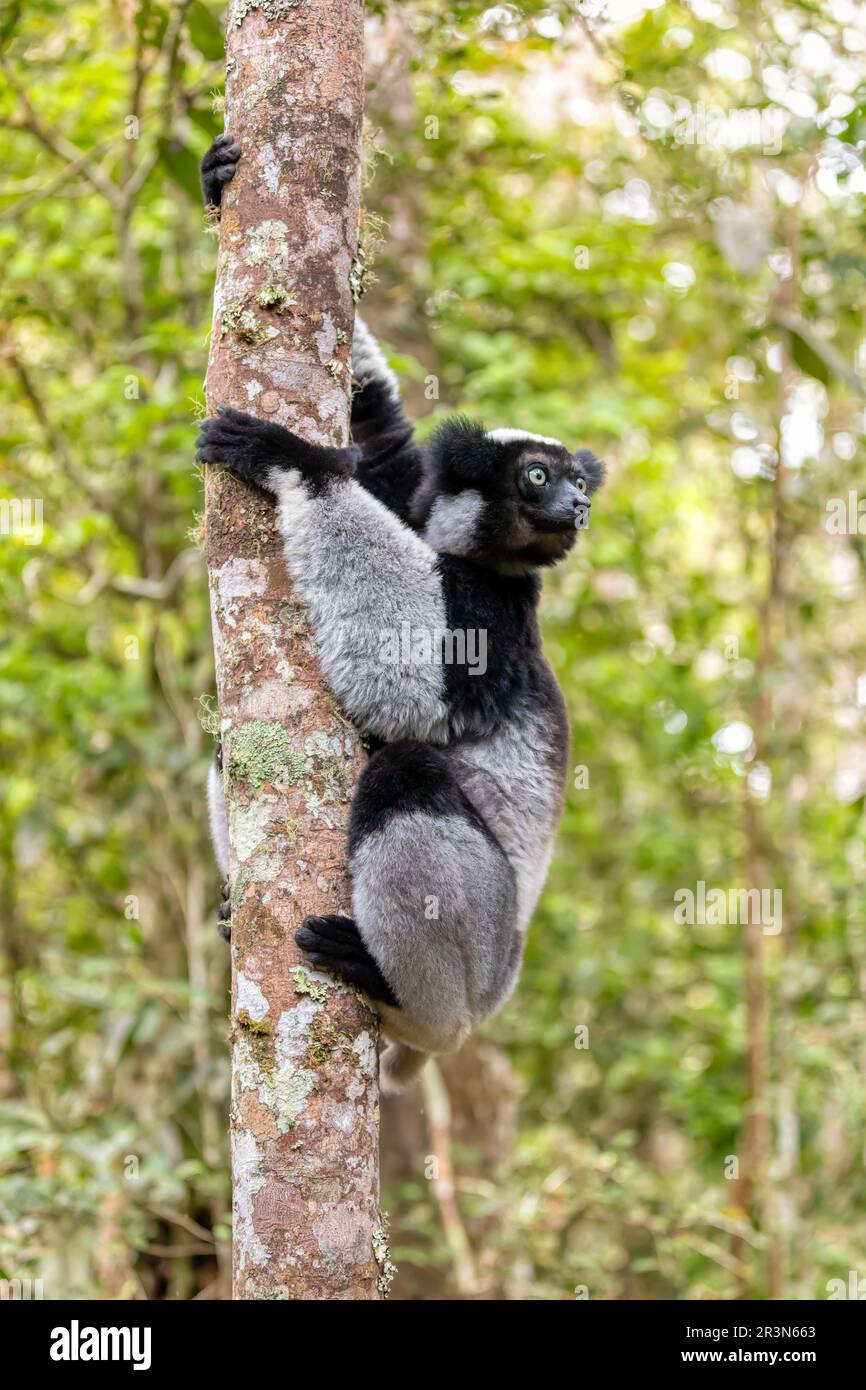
225 913
257 449
334 943
218 168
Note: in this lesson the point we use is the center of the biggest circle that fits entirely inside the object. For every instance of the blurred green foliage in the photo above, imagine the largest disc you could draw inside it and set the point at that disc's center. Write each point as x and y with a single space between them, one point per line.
559 254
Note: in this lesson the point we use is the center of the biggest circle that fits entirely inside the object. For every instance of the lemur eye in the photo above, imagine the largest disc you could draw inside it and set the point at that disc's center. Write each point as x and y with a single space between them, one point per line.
537 476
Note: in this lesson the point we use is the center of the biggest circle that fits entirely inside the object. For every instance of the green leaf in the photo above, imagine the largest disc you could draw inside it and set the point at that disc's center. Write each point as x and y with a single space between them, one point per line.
206 120
205 31
152 21
807 359
182 166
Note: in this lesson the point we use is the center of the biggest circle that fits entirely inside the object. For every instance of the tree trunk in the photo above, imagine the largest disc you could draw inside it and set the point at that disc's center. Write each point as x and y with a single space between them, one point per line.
304 1066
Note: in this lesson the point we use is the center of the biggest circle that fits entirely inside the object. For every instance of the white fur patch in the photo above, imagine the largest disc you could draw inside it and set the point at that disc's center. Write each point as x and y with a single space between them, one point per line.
368 360
453 522
219 824
509 436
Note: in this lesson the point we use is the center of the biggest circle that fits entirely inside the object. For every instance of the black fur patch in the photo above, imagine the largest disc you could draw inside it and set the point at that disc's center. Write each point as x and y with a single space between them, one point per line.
391 463
225 912
334 943
504 608
218 168
455 457
405 777
517 672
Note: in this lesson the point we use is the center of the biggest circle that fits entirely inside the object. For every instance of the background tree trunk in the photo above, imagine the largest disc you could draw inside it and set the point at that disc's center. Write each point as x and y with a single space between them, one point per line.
304 1065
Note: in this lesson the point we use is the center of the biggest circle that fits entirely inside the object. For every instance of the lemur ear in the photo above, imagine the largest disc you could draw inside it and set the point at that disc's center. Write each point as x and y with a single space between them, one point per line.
591 468
459 453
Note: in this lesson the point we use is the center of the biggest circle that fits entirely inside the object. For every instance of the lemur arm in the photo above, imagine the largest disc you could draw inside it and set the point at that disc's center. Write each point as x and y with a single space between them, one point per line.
369 582
390 464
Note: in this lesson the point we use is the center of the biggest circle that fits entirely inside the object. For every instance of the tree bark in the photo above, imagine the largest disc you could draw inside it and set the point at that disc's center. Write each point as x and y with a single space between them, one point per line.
304 1120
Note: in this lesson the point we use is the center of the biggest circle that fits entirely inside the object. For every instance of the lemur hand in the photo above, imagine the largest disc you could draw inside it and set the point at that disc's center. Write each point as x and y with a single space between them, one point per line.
256 450
218 168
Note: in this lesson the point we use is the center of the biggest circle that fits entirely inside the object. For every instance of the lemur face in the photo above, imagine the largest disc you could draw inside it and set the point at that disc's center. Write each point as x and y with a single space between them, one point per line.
507 498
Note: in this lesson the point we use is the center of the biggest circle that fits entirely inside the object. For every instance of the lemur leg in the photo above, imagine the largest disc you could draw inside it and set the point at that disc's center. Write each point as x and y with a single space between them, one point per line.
433 897
390 465
366 578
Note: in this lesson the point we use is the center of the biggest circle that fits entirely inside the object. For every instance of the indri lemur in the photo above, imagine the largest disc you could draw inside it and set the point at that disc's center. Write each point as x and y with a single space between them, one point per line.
453 819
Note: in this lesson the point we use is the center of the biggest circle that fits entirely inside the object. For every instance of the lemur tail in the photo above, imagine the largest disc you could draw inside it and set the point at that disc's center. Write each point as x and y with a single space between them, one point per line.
399 1065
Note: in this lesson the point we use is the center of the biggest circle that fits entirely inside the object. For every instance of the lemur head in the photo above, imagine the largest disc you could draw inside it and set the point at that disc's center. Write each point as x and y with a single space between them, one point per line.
508 499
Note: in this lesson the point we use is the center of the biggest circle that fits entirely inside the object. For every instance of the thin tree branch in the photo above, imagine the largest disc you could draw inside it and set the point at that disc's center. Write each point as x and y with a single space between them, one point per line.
57 144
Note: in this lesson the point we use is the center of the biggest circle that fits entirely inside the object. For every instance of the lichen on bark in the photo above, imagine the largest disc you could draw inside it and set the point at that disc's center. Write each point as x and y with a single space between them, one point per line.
304 1064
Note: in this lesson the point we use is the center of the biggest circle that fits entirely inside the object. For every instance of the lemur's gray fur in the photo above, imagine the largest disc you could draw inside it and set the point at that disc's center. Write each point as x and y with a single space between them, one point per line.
218 817
453 820
361 571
